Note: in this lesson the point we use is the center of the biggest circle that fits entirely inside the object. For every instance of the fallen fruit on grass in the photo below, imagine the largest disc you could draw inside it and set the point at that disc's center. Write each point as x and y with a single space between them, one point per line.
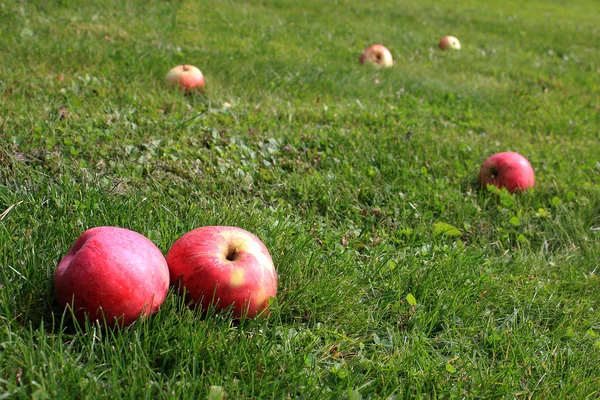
114 274
186 77
507 170
377 55
224 266
449 43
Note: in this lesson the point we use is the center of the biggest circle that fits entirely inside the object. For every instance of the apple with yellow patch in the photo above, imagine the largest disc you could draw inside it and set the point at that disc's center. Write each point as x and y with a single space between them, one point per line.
377 55
449 43
224 266
186 77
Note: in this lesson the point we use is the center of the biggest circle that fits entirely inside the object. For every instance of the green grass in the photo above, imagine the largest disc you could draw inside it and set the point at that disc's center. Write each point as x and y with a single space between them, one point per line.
349 175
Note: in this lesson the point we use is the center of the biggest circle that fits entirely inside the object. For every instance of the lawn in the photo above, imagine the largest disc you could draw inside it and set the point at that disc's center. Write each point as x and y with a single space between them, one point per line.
399 276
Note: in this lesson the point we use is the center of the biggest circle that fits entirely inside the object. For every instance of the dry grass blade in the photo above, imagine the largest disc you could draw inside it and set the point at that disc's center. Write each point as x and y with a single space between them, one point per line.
5 213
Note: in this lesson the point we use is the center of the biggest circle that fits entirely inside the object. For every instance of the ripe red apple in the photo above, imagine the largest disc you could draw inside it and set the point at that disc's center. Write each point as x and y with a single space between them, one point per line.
112 273
449 43
224 266
507 170
377 55
186 77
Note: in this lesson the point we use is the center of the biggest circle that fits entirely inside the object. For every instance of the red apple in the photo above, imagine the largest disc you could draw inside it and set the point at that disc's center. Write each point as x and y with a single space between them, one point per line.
112 273
186 77
377 55
507 170
449 43
224 266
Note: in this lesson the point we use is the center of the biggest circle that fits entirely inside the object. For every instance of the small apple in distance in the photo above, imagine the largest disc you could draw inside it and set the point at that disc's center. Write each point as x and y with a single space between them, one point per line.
507 170
113 274
377 55
449 43
186 77
224 266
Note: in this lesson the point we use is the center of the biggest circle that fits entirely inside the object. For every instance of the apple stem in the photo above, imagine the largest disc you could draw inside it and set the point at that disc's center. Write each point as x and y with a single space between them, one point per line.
231 255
